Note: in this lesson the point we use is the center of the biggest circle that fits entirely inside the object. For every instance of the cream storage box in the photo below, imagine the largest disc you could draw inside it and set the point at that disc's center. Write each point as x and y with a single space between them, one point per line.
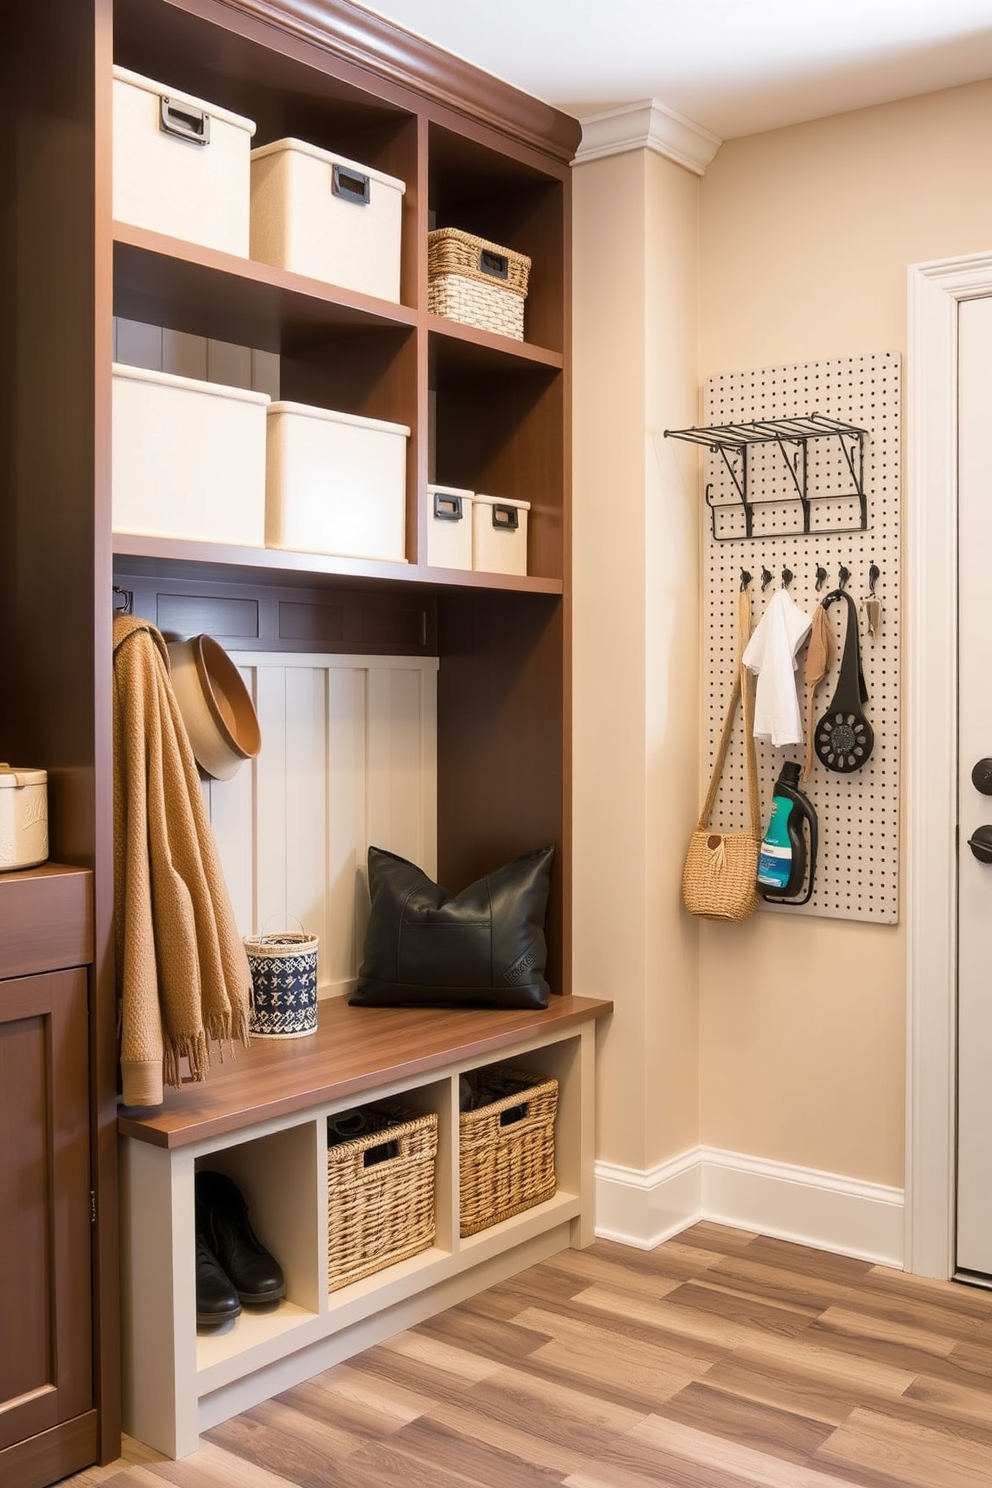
188 458
499 534
335 483
449 527
180 166
317 214
23 817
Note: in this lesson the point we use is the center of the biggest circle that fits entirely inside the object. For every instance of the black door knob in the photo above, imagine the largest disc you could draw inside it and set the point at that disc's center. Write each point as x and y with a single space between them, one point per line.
980 843
981 777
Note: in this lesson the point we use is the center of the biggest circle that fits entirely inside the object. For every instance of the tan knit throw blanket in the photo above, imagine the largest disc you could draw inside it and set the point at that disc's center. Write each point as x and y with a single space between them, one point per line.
182 970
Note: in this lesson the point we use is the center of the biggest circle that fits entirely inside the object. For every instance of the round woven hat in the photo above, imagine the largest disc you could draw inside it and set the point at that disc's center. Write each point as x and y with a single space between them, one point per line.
218 713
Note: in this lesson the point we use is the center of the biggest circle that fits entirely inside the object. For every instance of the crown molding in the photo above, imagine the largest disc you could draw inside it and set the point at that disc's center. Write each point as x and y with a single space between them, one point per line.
355 36
648 125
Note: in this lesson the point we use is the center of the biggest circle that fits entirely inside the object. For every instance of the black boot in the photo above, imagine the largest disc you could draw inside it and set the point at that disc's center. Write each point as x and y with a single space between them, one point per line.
216 1300
255 1274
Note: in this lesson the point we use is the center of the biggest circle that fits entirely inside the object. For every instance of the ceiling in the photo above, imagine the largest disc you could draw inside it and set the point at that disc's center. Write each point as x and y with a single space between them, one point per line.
733 66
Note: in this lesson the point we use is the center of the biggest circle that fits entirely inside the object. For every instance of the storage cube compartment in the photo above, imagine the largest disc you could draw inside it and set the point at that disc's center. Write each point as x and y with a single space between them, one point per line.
335 483
380 1188
275 1175
506 1145
499 534
449 527
188 458
181 166
318 214
476 282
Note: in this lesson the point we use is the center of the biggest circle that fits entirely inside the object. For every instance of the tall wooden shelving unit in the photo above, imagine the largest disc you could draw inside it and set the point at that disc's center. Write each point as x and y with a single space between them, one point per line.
486 413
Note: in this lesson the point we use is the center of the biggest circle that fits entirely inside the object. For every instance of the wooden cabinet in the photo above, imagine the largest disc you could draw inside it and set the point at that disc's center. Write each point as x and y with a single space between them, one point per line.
486 413
47 1415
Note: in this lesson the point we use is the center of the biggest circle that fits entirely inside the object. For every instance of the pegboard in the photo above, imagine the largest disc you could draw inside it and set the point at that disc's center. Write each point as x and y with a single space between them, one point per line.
858 861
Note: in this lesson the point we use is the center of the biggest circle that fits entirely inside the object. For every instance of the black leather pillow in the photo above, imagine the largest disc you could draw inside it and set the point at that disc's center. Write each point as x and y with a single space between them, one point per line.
484 947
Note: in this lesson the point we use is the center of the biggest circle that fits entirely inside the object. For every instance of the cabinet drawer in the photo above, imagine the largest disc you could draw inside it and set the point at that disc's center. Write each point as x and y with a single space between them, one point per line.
46 919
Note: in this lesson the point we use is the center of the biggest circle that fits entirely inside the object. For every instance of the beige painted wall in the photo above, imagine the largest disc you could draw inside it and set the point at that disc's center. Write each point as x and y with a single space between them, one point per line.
782 1039
806 234
636 701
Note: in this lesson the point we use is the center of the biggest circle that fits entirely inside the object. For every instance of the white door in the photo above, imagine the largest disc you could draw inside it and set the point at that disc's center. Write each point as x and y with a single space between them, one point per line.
974 1176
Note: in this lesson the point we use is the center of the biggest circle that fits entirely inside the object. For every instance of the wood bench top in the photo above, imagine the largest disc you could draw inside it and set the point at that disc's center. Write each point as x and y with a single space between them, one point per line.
353 1052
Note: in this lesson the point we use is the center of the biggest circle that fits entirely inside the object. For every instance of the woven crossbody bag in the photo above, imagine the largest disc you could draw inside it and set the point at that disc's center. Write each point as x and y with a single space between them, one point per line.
719 878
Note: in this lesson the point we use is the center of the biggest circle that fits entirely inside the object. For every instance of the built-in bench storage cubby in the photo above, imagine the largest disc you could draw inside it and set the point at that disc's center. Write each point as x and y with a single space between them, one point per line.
262 1119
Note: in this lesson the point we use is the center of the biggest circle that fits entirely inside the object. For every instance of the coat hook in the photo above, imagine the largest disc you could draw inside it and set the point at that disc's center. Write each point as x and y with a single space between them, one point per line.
745 579
844 575
821 577
766 579
787 577
874 574
126 597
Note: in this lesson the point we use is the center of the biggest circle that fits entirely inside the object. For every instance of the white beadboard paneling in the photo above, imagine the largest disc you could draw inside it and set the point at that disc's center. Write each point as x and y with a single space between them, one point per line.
348 816
348 759
231 804
270 845
304 827
399 799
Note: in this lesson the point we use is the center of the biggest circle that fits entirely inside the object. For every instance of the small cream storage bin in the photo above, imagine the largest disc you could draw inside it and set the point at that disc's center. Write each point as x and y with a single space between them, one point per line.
181 166
335 483
320 215
449 527
188 458
499 534
23 818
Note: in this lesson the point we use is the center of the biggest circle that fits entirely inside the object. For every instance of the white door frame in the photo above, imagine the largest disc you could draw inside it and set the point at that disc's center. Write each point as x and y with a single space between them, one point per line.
930 690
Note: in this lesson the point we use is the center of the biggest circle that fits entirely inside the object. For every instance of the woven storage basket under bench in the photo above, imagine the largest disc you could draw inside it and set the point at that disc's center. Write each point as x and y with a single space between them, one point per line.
380 1189
506 1148
476 282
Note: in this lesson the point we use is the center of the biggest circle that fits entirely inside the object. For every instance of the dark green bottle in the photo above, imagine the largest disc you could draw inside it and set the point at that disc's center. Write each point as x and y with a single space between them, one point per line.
784 853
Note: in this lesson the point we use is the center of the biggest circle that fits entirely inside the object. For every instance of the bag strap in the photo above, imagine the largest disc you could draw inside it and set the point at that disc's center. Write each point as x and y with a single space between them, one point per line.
741 691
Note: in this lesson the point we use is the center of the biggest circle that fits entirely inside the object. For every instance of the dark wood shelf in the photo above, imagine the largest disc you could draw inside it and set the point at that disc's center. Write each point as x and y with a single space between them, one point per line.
461 348
353 1052
164 281
219 561
161 280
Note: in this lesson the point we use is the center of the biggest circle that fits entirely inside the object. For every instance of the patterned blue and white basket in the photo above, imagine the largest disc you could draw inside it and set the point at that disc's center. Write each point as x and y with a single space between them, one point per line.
284 980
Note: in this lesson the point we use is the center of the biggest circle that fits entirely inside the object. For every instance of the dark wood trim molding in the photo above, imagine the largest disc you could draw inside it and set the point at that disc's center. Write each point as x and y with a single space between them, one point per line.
356 36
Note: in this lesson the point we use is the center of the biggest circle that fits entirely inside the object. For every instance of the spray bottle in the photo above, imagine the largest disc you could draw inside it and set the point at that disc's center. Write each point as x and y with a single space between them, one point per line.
784 853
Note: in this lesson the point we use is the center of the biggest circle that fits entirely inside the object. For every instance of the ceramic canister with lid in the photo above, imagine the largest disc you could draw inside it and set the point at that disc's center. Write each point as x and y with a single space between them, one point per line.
23 817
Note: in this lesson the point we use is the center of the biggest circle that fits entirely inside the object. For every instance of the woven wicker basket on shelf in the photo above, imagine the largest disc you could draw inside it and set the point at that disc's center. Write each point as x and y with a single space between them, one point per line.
476 282
380 1194
506 1150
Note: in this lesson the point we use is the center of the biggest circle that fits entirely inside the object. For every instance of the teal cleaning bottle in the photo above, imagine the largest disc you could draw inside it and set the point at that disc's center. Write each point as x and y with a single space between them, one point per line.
784 852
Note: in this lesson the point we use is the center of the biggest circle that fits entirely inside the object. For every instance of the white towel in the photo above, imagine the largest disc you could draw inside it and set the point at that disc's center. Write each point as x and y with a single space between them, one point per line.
771 653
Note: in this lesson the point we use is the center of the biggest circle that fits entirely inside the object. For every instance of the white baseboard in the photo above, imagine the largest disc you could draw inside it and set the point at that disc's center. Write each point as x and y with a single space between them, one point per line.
824 1210
643 1209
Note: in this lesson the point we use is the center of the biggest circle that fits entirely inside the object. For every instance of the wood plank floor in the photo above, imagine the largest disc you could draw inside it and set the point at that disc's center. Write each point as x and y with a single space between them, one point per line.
719 1360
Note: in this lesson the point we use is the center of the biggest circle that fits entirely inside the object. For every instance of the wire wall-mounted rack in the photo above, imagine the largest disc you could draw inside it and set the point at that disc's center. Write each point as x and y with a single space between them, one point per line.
734 444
